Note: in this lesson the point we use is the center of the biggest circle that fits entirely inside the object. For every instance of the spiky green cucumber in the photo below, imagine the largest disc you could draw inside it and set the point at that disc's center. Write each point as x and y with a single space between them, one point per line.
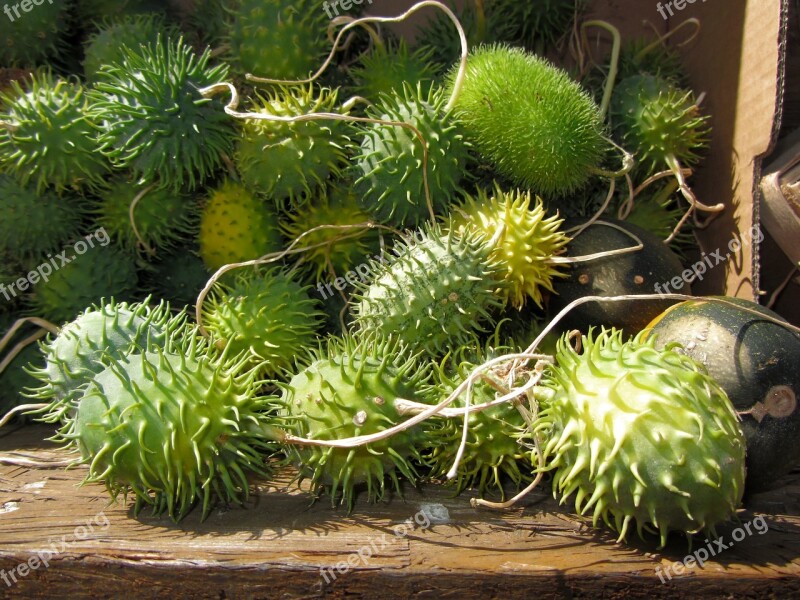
34 224
236 226
641 436
267 315
84 346
48 137
493 449
93 270
528 241
154 119
279 39
389 67
105 46
162 217
331 251
289 161
527 117
391 165
178 277
174 429
351 388
433 293
35 37
659 122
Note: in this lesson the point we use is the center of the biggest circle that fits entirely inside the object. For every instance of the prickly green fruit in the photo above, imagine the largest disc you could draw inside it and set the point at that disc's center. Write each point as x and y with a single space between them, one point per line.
279 39
433 293
34 224
642 436
105 46
493 448
536 125
236 226
536 25
174 429
33 38
290 160
391 165
341 248
93 271
48 137
352 389
162 217
178 277
657 211
268 316
526 245
154 119
84 346
388 68
658 122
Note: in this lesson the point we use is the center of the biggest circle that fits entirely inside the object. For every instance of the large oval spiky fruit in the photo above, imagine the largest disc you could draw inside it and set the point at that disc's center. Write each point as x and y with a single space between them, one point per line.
536 125
290 160
34 224
527 242
236 226
268 315
279 39
154 119
642 436
92 271
332 251
433 293
83 347
352 389
659 122
174 429
388 68
493 448
159 220
32 38
392 164
48 137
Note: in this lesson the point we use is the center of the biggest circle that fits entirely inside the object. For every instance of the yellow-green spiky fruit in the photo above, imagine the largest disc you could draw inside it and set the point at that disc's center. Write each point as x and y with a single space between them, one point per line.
641 436
332 251
352 388
522 240
174 429
268 316
288 161
236 226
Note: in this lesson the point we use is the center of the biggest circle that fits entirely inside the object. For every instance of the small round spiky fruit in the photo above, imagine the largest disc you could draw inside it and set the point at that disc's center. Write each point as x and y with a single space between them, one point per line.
352 389
92 271
34 224
105 46
332 251
659 122
536 125
391 165
161 217
279 39
154 119
236 226
528 241
642 436
83 347
289 160
174 429
33 38
268 316
433 293
48 136
388 68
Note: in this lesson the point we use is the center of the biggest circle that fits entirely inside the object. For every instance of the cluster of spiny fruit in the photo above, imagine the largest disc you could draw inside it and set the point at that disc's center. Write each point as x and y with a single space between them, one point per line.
181 413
